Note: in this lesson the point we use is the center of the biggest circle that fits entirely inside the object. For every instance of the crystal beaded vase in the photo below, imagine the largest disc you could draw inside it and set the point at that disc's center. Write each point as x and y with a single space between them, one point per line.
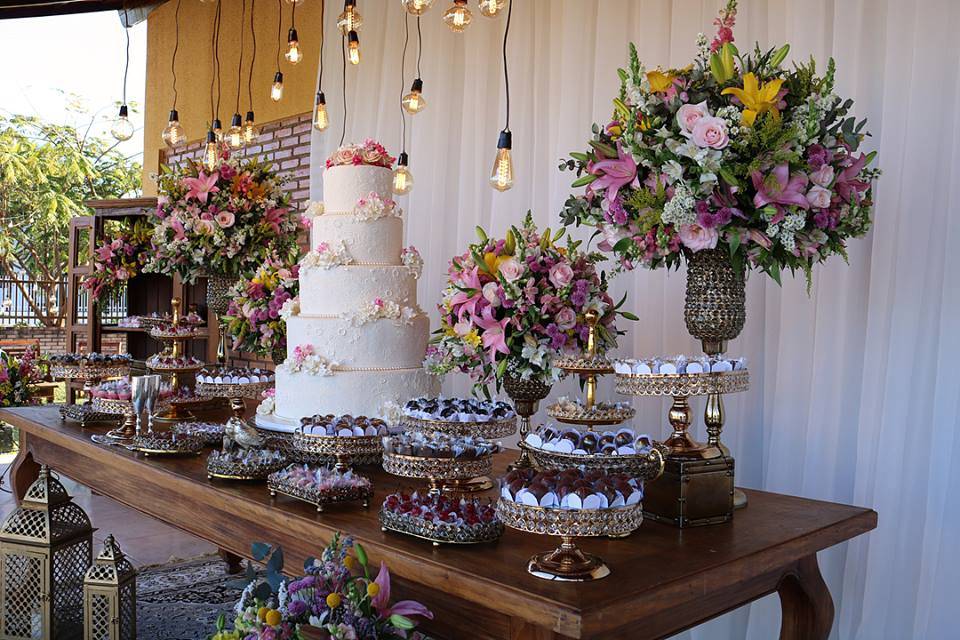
526 396
715 307
218 292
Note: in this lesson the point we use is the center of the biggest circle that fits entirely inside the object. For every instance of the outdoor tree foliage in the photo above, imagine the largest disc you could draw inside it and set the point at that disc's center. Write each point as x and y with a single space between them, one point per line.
47 171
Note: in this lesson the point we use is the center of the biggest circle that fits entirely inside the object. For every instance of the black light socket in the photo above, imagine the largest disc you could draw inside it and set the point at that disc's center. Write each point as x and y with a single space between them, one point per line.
403 160
350 3
352 37
123 111
292 35
211 136
321 99
236 122
417 86
174 116
278 77
217 125
506 140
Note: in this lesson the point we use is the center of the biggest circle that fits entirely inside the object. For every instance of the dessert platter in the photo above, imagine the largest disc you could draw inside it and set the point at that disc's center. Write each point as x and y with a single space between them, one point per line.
570 504
173 331
460 416
211 433
164 443
346 439
320 486
115 396
244 464
623 450
441 519
440 459
88 367
356 337
234 382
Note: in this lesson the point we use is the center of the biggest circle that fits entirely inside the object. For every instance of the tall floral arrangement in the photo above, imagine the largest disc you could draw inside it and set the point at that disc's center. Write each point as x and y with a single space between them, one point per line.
226 221
118 259
17 378
511 305
734 151
260 305
338 595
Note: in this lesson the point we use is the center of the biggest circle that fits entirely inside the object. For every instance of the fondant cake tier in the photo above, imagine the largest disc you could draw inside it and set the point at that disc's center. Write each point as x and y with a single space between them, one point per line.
377 241
344 185
371 393
344 289
382 343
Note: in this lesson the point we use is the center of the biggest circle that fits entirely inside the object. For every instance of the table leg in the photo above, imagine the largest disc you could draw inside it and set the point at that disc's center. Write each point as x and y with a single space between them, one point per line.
23 470
234 562
805 602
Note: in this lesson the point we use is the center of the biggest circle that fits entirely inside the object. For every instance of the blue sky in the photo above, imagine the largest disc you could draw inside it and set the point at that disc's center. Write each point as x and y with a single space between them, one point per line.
80 54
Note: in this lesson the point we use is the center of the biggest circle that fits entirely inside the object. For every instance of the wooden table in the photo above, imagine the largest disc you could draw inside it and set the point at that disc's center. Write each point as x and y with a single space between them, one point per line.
663 580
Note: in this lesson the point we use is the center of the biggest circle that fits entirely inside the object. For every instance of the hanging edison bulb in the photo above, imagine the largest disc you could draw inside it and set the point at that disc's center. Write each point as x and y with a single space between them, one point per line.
320 118
173 135
402 178
235 133
490 8
413 103
250 131
501 178
354 47
293 54
218 129
458 16
276 90
122 128
417 7
211 154
350 19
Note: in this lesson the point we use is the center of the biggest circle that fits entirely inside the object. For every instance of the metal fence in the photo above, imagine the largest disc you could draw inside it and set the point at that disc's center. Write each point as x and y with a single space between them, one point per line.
50 299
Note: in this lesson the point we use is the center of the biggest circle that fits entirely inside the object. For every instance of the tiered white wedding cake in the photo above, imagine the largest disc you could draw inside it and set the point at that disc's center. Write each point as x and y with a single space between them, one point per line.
356 338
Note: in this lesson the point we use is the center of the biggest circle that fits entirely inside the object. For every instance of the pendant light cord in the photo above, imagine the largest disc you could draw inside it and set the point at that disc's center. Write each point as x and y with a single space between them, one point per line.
506 74
176 47
293 16
279 29
403 86
126 65
419 47
343 54
253 59
323 41
243 14
217 56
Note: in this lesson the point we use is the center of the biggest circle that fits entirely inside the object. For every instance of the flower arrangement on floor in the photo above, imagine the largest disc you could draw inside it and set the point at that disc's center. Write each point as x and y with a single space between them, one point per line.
337 596
227 222
510 305
118 259
733 152
17 377
256 317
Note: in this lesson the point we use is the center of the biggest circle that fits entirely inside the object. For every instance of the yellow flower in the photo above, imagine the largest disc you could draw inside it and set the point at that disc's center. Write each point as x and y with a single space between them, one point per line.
756 99
493 261
262 613
659 81
349 562
472 338
373 589
333 600
273 618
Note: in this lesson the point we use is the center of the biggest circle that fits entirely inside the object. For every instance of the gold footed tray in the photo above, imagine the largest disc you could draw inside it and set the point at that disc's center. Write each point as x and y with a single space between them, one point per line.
437 471
319 499
183 369
242 472
210 433
86 414
584 365
597 415
88 372
159 334
567 562
123 407
343 449
491 430
683 384
643 466
251 390
149 444
440 533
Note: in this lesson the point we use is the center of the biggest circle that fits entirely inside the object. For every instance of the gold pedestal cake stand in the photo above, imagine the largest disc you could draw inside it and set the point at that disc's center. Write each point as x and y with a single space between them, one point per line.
344 449
441 474
91 374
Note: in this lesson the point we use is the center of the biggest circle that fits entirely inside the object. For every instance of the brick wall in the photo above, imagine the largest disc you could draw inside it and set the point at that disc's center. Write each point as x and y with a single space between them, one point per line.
287 143
53 339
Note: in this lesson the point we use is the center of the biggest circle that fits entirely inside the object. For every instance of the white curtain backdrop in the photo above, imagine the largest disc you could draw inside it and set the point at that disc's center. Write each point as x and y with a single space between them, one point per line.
855 389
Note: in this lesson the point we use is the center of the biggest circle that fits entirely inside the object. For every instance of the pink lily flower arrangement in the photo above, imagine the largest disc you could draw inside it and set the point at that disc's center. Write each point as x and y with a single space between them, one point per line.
746 153
511 305
226 221
119 259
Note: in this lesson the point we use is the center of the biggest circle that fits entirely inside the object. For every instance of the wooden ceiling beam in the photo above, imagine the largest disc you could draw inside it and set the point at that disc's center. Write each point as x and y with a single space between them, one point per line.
35 8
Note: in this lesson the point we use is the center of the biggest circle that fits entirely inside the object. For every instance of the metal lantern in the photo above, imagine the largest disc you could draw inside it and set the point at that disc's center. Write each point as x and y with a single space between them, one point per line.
46 546
110 596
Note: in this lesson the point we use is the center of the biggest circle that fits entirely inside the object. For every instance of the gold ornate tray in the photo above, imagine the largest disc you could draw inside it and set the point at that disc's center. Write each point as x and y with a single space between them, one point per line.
440 533
86 414
343 449
149 444
210 433
252 390
243 472
491 430
319 499
159 334
122 407
584 365
683 384
436 469
643 466
595 416
170 369
88 372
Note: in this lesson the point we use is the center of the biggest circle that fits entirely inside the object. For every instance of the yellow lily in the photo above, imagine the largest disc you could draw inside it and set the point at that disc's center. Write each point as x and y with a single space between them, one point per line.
659 81
756 99
493 262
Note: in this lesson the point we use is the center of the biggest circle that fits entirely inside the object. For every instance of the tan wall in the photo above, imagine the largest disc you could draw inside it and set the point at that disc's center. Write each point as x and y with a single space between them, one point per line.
195 68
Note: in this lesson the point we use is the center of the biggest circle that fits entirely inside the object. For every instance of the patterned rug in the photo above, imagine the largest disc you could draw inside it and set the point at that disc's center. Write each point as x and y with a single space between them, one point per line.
182 600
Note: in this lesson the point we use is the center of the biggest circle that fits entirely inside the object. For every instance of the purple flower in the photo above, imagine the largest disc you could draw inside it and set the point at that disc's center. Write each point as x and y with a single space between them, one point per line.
711 219
617 214
557 337
847 185
779 188
297 608
817 156
614 173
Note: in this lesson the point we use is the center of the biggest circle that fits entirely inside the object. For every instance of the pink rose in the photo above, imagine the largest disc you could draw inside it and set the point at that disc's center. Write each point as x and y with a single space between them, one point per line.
689 114
566 318
204 227
490 293
822 176
697 238
710 132
510 269
818 197
225 219
561 275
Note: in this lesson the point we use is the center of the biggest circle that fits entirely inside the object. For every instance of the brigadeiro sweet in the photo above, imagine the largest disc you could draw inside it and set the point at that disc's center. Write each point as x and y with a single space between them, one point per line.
571 489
